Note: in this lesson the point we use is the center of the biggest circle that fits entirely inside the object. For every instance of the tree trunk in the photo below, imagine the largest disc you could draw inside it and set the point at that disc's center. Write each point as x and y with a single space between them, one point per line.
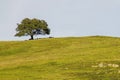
31 37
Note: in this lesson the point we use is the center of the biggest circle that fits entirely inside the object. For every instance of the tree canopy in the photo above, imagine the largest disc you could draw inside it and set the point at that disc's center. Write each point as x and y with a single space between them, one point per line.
32 27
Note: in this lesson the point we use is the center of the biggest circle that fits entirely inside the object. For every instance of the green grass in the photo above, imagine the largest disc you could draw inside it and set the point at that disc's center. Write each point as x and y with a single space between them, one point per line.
73 58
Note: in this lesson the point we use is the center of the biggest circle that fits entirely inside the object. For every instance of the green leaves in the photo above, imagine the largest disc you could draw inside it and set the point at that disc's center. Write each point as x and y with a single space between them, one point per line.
32 27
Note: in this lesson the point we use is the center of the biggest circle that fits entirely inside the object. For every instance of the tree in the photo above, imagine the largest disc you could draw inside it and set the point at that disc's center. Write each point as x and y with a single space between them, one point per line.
32 27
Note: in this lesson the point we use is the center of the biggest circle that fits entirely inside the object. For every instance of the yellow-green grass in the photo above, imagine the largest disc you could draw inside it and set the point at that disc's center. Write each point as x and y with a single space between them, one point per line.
73 58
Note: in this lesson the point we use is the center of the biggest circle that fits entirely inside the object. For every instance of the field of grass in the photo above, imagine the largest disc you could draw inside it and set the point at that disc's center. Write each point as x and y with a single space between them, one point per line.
73 58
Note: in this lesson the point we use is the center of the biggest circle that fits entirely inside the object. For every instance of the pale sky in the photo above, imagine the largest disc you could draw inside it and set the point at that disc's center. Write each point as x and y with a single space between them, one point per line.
64 17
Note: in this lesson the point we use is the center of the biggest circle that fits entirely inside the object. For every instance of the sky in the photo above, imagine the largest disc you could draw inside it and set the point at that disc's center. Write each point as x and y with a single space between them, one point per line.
65 18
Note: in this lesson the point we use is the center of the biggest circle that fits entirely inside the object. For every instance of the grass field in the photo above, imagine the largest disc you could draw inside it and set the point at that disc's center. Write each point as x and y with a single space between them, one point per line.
73 58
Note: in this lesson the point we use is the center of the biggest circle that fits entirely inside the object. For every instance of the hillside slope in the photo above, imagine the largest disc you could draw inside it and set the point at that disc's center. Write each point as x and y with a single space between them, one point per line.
80 58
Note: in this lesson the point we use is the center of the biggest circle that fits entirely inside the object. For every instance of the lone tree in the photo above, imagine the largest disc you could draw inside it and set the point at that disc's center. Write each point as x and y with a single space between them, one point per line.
32 27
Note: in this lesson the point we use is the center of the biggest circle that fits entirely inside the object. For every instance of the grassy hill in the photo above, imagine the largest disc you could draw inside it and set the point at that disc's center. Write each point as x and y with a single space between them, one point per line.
74 58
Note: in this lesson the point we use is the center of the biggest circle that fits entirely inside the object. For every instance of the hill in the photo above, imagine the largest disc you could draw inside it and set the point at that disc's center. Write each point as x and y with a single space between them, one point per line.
73 58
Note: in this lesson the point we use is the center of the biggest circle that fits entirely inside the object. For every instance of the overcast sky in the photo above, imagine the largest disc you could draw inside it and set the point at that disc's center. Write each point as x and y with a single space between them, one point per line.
64 17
